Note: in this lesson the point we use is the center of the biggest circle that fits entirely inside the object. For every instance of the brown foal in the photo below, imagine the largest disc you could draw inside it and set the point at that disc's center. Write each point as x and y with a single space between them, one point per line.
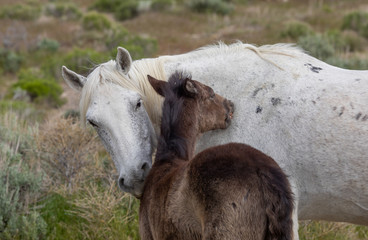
231 191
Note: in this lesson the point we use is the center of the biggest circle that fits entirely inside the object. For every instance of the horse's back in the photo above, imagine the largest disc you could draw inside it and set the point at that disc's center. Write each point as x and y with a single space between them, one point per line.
312 119
243 193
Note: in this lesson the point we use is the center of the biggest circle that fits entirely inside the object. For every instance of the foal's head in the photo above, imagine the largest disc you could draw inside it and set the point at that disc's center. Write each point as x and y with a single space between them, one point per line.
194 102
190 108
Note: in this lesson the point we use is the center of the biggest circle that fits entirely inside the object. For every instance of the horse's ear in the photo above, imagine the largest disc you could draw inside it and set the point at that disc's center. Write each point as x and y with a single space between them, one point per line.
190 87
158 85
123 60
74 80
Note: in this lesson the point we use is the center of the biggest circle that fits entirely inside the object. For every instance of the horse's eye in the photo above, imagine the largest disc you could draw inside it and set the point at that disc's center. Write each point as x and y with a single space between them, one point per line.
139 104
93 124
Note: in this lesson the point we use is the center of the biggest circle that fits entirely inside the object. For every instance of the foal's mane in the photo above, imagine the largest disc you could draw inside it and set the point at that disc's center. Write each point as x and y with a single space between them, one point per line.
170 143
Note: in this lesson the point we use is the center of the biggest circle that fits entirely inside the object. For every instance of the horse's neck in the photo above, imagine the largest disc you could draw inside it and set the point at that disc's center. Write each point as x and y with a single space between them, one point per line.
225 65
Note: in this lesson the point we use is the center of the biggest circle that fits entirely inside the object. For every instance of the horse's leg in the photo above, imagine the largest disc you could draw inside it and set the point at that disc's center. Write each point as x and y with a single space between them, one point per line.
295 223
295 210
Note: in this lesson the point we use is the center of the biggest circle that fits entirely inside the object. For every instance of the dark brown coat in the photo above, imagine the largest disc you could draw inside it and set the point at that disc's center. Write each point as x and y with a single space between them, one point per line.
231 191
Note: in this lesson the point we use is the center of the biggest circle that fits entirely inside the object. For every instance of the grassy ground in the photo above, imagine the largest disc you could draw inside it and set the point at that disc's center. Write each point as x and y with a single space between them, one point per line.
78 196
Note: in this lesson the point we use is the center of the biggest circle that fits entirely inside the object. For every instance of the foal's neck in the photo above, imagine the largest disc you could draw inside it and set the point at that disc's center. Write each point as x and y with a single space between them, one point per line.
179 129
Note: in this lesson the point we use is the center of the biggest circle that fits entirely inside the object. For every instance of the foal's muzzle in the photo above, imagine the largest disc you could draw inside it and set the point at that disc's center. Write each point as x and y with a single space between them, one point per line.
229 105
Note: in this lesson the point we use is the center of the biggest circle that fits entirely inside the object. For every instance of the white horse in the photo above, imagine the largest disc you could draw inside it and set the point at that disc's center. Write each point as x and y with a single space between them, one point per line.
311 117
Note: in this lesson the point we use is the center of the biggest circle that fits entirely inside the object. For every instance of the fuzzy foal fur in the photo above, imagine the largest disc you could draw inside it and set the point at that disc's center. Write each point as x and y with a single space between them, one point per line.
231 191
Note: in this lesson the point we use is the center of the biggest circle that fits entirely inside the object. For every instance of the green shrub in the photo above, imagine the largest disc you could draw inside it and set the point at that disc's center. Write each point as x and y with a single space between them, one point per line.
95 21
19 183
296 29
211 6
334 37
50 66
24 12
353 42
67 11
357 21
126 9
119 35
39 89
14 106
16 183
10 61
47 58
82 60
317 45
105 5
71 113
344 41
48 45
161 4
138 47
24 110
350 63
122 9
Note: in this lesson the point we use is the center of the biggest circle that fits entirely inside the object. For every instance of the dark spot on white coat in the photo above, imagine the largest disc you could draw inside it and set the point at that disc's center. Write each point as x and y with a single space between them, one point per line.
358 116
255 92
313 68
275 101
259 109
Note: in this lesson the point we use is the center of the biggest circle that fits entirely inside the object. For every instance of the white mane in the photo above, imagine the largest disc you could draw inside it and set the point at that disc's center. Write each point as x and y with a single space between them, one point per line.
285 49
136 79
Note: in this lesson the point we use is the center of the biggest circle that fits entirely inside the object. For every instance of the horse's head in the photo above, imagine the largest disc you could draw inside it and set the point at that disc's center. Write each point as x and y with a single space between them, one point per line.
119 117
206 109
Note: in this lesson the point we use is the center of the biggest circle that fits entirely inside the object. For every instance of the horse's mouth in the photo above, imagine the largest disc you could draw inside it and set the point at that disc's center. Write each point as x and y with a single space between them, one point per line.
138 196
136 190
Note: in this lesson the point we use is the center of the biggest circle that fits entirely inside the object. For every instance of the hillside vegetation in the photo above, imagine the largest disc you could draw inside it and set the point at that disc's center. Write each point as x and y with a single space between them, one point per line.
56 180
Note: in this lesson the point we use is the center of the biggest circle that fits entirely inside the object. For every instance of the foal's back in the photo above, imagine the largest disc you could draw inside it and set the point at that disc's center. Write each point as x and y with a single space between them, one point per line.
240 193
231 191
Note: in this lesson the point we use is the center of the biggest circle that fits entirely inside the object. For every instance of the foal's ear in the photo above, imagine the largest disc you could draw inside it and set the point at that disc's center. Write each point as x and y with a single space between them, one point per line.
190 87
158 85
123 60
74 80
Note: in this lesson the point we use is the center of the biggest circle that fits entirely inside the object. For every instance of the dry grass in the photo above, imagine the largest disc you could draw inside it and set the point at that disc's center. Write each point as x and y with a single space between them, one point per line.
320 230
67 150
106 211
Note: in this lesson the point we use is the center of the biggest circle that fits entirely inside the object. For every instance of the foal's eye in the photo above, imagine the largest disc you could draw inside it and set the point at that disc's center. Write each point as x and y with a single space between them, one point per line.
212 95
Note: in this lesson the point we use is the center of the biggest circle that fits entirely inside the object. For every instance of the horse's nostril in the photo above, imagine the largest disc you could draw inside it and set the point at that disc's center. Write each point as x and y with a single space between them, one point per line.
144 166
121 183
